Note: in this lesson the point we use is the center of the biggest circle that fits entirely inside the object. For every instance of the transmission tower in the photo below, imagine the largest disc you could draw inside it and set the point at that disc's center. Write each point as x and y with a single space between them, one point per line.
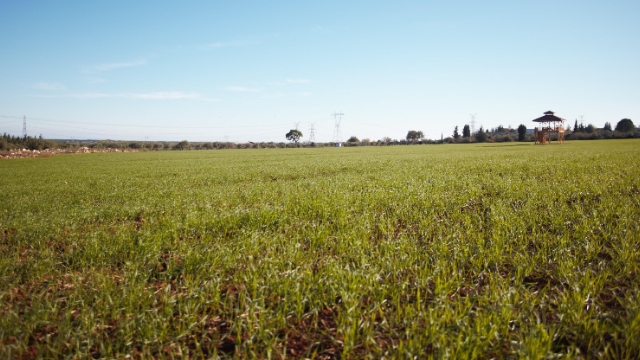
297 124
473 123
24 126
312 133
337 135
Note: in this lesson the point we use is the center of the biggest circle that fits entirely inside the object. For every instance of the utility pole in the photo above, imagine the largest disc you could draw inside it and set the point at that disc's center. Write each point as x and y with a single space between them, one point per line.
472 123
24 126
312 133
337 135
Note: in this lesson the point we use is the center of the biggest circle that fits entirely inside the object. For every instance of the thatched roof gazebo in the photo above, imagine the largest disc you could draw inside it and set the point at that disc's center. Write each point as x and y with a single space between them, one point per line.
549 124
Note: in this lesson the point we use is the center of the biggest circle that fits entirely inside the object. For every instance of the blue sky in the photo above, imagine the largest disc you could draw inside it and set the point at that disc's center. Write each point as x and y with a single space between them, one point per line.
249 70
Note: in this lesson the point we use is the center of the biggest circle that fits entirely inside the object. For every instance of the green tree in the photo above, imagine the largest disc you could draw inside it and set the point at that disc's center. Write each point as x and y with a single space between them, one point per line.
625 125
182 145
456 135
414 135
294 135
607 126
481 136
466 131
522 132
353 139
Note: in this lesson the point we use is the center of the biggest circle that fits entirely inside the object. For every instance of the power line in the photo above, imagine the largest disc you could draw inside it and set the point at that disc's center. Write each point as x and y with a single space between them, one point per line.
146 126
75 131
380 126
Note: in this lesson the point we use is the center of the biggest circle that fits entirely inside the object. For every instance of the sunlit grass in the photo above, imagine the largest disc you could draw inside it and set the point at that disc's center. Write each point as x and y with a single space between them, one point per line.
465 251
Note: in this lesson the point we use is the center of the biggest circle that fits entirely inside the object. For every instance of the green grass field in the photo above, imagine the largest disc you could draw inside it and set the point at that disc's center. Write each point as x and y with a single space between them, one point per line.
461 251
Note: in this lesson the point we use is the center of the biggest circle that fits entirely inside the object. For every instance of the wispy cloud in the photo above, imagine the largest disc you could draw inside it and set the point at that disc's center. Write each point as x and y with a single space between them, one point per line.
275 95
291 81
168 95
208 99
306 94
222 44
111 66
165 95
49 86
242 89
89 95
95 80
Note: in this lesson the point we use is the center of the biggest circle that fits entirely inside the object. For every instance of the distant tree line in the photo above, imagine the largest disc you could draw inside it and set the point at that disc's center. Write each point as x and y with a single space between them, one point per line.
625 128
498 134
8 142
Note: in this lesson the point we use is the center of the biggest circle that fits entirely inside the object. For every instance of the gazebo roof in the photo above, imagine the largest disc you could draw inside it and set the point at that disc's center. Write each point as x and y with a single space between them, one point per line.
549 117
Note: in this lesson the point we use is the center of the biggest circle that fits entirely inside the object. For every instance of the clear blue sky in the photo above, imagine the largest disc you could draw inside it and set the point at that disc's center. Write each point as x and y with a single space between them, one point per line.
249 70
